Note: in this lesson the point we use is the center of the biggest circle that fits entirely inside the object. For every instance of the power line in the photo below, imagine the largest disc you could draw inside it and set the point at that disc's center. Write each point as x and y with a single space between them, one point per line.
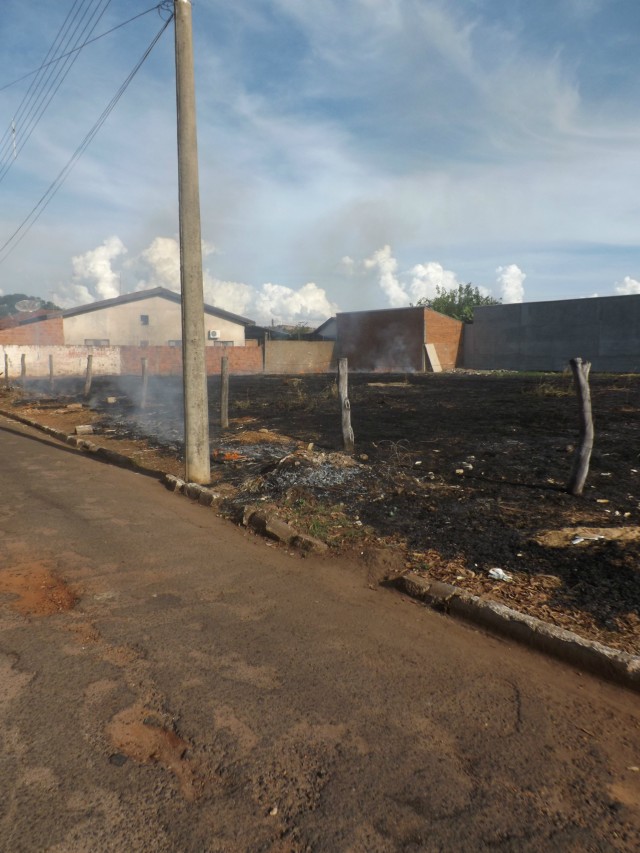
44 88
21 231
84 44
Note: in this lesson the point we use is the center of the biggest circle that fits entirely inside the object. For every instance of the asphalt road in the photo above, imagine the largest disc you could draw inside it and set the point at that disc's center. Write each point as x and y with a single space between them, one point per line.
208 692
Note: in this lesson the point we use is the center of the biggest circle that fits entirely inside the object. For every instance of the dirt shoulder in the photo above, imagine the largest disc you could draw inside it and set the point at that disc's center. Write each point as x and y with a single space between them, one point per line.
454 477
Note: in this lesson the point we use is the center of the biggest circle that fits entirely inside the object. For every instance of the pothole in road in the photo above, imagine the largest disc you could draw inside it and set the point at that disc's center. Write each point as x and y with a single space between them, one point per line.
138 734
39 591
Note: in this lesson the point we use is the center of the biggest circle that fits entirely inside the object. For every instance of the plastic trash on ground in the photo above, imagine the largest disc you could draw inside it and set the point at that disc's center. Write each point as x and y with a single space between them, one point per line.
499 575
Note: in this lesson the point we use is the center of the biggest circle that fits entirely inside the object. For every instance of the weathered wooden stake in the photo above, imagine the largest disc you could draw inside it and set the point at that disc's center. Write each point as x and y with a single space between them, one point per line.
6 370
580 470
23 369
343 389
224 392
51 383
89 376
145 382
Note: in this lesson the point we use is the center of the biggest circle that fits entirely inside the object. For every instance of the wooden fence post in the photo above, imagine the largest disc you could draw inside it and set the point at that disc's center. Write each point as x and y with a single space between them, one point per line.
580 470
145 382
51 373
23 370
89 376
6 370
343 389
224 392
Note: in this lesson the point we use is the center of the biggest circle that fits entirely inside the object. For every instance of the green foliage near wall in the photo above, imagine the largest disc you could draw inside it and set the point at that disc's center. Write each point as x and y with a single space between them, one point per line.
458 302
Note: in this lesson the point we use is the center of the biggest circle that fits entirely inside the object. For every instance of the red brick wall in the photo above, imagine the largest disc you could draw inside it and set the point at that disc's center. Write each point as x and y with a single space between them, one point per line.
389 340
42 333
446 334
168 360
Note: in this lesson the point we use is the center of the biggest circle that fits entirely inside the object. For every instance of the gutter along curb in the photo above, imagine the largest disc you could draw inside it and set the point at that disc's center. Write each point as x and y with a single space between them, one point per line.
82 444
588 655
267 525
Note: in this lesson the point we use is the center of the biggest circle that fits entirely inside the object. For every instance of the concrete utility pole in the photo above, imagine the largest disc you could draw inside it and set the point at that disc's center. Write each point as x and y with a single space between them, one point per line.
196 407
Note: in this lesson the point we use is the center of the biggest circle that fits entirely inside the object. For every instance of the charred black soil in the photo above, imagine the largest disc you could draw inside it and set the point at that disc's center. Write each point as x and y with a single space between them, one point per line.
454 475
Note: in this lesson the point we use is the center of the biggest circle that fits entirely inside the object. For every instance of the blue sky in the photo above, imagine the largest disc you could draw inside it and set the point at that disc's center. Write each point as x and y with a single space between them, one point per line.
353 153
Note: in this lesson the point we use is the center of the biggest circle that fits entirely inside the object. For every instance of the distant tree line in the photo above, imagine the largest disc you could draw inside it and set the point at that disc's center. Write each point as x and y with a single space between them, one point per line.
8 304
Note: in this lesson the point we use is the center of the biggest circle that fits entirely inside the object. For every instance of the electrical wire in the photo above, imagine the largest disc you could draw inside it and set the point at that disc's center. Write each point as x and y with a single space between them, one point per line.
45 89
58 42
84 44
21 231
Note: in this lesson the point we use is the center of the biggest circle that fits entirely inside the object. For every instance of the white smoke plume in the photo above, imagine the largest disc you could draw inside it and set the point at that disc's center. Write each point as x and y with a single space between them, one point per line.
511 281
627 286
387 266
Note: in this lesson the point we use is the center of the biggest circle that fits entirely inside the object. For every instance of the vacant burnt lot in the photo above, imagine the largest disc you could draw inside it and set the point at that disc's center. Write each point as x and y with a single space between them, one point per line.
454 475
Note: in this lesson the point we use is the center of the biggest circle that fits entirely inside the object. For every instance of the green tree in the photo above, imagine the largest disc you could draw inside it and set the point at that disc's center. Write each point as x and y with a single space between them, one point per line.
458 302
8 303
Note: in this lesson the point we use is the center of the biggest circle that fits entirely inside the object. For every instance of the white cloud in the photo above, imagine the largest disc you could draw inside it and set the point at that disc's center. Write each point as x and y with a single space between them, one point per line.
94 268
627 286
93 275
426 277
229 295
511 282
160 264
284 305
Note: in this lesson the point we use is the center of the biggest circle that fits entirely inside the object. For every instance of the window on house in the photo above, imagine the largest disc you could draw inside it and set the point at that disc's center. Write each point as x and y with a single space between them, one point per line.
144 343
144 319
177 343
96 342
223 343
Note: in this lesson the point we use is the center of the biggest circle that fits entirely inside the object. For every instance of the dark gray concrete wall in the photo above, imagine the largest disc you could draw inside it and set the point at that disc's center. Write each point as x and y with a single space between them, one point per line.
545 335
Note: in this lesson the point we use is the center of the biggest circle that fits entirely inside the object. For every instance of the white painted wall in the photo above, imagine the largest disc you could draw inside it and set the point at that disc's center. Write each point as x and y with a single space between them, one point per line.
121 325
67 361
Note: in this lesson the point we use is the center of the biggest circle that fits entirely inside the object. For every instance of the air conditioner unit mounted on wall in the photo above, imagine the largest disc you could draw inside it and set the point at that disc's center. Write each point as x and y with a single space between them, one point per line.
213 334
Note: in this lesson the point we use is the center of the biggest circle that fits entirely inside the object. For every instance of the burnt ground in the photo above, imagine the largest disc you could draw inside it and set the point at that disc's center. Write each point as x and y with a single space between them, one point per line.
454 475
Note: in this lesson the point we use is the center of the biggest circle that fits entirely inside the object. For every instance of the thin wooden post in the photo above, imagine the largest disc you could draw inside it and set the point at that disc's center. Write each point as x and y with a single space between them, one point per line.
145 382
51 373
89 376
343 390
23 369
224 392
6 370
580 470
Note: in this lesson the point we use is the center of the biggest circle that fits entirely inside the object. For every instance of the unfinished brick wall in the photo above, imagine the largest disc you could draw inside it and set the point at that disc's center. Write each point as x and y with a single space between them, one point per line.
42 333
297 357
389 340
167 361
446 334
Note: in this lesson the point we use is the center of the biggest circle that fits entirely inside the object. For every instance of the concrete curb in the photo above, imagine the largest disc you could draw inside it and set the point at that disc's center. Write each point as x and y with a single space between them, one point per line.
83 444
588 655
268 525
